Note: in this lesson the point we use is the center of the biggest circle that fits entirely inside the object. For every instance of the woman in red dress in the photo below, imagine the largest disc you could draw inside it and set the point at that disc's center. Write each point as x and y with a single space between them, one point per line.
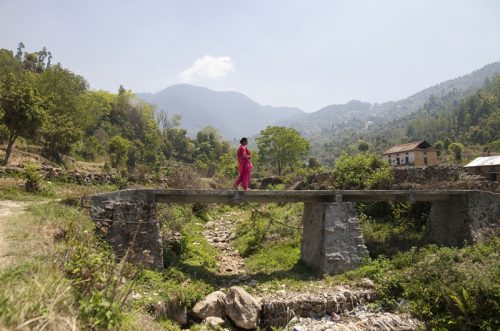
244 165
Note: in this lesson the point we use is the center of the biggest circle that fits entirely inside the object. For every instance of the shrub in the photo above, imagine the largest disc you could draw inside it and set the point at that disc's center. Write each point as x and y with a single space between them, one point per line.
362 171
448 288
34 180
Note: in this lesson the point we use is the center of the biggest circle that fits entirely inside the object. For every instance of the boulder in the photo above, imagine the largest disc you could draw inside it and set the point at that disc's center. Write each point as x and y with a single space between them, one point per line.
211 306
242 308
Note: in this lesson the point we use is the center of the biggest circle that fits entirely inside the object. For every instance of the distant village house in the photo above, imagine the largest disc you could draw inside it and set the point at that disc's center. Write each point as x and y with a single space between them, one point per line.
486 166
417 153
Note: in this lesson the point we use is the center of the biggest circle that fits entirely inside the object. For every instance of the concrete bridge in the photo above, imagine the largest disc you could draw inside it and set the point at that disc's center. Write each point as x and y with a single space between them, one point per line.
332 241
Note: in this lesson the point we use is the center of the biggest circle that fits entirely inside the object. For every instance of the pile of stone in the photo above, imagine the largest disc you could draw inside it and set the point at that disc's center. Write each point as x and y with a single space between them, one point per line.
217 308
317 181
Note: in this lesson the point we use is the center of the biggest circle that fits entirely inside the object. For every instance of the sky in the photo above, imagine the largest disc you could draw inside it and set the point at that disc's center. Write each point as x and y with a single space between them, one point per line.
306 54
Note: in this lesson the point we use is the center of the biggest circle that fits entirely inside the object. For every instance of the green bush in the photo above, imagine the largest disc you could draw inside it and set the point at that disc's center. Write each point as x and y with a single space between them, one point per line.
34 180
448 288
362 171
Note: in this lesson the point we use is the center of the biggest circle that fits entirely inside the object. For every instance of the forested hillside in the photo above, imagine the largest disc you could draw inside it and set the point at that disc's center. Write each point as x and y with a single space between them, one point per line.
474 120
467 117
48 105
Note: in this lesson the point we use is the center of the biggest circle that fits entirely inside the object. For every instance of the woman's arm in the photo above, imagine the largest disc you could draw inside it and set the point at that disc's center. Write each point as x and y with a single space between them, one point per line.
246 153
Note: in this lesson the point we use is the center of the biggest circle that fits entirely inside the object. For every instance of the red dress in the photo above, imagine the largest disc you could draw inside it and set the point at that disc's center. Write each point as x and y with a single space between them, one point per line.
244 167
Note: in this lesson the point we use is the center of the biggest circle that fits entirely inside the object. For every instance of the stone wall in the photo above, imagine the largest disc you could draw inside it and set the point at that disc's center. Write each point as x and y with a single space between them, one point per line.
473 218
332 241
440 177
278 311
422 175
61 175
126 220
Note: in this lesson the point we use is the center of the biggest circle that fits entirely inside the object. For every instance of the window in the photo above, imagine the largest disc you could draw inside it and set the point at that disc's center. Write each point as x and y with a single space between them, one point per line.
425 160
397 160
407 160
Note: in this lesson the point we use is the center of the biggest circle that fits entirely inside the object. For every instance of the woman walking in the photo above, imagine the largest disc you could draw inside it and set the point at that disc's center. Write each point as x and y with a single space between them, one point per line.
244 165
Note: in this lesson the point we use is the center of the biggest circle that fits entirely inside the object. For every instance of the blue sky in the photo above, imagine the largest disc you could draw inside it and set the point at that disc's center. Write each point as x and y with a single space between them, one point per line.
284 53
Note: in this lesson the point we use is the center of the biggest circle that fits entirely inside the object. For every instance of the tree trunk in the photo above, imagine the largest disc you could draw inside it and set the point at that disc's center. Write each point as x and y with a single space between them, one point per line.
12 140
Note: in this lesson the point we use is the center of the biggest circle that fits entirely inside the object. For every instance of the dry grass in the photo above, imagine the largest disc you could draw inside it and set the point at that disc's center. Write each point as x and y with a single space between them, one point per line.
34 294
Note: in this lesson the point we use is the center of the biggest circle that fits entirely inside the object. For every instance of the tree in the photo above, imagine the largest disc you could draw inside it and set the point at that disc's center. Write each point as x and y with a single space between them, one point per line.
118 148
456 149
362 171
363 146
209 148
22 108
282 147
65 92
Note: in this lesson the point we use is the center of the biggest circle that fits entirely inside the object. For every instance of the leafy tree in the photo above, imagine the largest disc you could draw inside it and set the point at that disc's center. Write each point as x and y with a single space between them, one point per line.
8 63
65 92
313 163
22 108
363 146
227 167
282 148
209 148
456 149
118 149
362 171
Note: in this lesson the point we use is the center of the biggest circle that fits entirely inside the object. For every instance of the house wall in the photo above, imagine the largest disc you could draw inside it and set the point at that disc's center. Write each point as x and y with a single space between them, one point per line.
415 158
422 154
393 158
485 171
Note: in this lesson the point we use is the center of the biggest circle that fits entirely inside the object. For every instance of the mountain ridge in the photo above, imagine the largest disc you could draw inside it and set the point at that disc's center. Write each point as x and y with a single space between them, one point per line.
234 114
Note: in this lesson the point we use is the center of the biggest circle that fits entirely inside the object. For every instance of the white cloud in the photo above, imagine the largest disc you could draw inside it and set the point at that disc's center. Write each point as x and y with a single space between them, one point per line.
206 68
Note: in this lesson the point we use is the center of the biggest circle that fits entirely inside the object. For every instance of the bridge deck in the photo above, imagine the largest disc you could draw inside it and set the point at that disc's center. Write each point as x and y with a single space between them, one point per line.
224 196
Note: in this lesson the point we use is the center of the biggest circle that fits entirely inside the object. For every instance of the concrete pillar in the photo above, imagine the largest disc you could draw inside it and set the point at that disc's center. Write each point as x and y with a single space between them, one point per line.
471 218
131 229
332 241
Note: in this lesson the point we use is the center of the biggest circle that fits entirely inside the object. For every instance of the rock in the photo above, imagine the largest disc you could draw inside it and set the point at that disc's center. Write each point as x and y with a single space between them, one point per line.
242 308
171 310
367 283
214 320
267 181
211 306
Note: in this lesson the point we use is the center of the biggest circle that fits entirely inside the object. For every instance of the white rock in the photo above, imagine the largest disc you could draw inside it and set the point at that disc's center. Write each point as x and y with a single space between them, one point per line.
213 320
242 308
211 305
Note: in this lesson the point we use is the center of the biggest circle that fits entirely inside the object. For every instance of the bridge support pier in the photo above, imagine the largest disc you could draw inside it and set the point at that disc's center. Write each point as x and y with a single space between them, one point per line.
131 229
473 218
332 241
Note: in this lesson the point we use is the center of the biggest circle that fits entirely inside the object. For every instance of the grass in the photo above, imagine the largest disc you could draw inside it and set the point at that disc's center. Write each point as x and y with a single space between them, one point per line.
65 277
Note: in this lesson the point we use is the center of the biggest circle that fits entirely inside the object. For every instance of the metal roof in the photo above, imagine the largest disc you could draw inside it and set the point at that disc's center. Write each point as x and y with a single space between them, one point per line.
421 144
485 161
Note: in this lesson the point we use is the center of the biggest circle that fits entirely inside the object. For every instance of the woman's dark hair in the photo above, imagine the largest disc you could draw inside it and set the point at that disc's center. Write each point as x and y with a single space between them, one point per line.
243 139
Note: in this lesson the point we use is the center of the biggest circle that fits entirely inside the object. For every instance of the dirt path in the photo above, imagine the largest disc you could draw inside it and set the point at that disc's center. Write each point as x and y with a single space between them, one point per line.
220 233
8 208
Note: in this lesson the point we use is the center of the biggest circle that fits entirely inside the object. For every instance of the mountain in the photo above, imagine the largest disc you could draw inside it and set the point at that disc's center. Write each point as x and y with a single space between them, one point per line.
233 114
357 115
